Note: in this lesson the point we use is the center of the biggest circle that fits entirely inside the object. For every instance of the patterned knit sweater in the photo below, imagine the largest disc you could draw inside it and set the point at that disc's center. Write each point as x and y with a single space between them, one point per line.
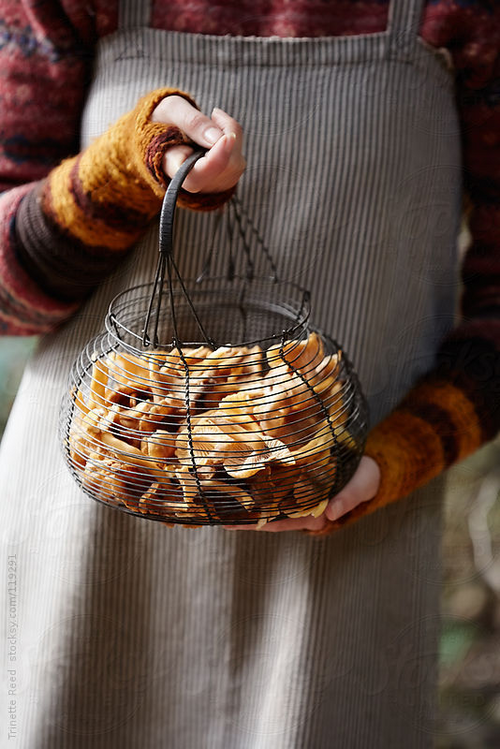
64 225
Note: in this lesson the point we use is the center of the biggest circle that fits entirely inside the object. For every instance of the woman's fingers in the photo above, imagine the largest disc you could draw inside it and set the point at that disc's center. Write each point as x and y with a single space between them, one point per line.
362 487
175 110
223 164
219 169
174 157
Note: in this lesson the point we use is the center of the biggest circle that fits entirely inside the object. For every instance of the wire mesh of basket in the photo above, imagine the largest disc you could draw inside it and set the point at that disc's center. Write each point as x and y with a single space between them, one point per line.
212 401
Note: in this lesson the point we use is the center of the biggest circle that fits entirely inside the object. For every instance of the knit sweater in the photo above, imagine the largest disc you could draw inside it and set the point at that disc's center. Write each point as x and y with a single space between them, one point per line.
63 226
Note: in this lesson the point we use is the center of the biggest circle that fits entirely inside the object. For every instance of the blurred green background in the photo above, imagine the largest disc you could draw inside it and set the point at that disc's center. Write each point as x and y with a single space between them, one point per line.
14 353
469 688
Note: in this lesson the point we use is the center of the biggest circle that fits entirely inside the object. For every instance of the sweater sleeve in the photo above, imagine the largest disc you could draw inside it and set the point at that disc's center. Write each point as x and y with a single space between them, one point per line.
63 232
455 408
45 56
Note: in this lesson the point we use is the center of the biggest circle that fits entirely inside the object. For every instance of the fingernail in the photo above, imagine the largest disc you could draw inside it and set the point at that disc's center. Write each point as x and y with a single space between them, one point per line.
212 135
229 141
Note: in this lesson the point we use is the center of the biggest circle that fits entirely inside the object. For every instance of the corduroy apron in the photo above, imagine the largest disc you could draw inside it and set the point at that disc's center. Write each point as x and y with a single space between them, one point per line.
130 634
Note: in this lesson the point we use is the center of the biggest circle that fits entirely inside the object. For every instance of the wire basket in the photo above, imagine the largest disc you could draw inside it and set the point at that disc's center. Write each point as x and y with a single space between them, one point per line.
212 401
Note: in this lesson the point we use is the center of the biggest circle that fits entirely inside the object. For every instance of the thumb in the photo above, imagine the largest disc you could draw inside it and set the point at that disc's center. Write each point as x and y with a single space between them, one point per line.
363 486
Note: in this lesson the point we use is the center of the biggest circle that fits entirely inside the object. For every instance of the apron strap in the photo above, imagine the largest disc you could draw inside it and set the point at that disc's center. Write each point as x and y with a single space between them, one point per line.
402 32
133 13
404 24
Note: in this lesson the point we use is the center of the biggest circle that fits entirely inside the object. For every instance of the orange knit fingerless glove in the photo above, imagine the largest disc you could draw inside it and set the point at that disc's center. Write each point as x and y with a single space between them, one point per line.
108 194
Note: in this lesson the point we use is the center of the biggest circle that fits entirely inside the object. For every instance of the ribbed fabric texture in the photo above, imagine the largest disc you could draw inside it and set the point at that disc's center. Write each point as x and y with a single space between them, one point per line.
133 634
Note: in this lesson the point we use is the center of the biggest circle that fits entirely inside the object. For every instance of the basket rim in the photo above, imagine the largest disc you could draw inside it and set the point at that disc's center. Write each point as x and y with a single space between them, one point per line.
298 310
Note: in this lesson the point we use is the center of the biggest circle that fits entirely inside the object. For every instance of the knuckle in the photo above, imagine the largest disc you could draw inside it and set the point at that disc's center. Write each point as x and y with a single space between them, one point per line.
195 121
167 108
233 175
234 168
237 163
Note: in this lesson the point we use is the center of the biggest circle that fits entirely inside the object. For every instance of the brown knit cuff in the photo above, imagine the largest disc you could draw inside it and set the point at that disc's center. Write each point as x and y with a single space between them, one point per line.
153 139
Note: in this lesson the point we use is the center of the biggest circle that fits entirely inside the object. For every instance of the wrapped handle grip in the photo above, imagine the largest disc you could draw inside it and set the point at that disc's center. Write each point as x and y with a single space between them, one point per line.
170 202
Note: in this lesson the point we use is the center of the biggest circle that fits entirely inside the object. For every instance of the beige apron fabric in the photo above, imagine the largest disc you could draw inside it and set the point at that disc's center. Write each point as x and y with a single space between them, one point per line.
130 634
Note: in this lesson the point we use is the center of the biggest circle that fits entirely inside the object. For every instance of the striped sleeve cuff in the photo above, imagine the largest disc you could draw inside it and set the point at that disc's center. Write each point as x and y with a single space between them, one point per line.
445 418
25 309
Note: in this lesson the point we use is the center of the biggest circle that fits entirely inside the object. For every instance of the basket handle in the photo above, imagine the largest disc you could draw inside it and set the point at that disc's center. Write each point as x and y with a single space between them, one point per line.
170 202
166 262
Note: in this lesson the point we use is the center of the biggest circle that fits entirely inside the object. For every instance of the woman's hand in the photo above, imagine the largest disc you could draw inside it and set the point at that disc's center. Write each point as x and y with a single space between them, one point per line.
223 165
363 486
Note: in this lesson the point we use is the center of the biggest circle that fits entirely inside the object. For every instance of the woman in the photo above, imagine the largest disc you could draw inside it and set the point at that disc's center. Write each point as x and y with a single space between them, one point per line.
131 634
